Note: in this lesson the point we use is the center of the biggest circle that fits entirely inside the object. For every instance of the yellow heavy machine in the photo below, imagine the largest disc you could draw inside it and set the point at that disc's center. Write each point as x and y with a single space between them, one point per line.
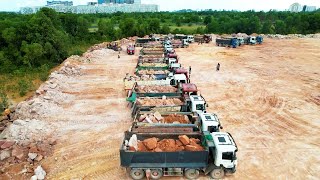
115 45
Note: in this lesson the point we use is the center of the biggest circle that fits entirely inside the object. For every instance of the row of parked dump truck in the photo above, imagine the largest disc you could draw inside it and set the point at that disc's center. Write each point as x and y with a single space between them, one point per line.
238 41
172 134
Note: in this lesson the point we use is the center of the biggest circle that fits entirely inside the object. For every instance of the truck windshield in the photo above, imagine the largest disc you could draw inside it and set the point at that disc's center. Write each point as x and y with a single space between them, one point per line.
227 155
199 107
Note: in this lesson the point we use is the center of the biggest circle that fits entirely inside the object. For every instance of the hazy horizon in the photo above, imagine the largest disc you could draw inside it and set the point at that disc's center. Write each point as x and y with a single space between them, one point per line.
173 5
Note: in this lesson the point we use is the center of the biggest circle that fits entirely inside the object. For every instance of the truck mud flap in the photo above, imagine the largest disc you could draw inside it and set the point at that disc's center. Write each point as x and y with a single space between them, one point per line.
209 169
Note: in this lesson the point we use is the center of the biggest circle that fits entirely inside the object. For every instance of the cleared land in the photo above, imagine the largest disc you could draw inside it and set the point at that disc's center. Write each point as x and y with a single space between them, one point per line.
267 96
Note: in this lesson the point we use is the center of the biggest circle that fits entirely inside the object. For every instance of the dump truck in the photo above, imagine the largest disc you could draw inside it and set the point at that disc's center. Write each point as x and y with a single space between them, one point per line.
192 103
203 38
141 41
154 44
259 39
168 122
159 58
227 42
216 158
240 41
171 79
164 122
251 40
154 66
130 49
161 90
152 51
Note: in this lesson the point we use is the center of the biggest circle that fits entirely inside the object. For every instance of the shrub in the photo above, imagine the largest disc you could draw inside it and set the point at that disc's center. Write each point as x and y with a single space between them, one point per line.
24 87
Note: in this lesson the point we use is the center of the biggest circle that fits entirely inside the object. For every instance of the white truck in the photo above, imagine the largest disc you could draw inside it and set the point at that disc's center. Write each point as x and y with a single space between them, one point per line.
217 158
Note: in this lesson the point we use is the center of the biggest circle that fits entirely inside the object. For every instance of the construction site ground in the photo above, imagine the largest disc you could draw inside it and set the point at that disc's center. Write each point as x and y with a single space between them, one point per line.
267 96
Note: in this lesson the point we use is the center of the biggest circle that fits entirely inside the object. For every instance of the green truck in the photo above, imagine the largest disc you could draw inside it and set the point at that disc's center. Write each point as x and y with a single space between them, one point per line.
161 90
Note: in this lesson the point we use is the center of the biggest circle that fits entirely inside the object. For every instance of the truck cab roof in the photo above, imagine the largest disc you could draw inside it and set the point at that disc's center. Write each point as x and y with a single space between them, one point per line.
189 87
224 142
196 98
209 119
181 71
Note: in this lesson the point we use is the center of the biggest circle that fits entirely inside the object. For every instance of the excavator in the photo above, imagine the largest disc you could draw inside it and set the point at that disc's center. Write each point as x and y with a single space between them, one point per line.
115 45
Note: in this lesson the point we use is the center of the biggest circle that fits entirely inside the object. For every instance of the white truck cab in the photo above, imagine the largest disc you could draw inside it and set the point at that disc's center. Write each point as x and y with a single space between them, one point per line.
185 42
190 38
172 60
209 122
198 104
252 40
225 151
174 65
176 79
168 47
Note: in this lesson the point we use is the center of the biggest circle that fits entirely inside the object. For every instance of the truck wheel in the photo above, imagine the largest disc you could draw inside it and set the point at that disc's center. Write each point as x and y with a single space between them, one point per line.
191 173
137 174
156 173
217 173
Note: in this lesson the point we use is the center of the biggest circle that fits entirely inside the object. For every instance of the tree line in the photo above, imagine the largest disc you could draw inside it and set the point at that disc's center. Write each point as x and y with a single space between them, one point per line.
46 38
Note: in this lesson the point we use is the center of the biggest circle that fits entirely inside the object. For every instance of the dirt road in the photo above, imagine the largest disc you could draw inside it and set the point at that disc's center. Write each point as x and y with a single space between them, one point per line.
267 96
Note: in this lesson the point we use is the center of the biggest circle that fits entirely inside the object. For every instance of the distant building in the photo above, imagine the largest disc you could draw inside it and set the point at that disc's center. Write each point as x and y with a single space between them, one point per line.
119 1
92 8
295 7
54 3
92 3
309 8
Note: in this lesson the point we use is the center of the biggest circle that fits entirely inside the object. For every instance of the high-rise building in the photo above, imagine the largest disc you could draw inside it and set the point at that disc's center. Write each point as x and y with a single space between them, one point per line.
295 7
54 3
103 6
310 8
137 1
101 1
119 1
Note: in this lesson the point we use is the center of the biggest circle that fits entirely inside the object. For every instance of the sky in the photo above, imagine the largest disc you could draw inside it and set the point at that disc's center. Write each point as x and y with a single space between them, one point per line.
171 5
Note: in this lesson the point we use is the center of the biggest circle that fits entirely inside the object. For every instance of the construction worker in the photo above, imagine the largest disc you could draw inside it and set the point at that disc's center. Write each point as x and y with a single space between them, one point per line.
218 66
189 69
118 56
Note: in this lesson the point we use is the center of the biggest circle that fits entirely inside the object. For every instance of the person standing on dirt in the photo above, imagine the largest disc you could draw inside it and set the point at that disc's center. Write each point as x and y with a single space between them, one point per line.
189 69
218 66
118 56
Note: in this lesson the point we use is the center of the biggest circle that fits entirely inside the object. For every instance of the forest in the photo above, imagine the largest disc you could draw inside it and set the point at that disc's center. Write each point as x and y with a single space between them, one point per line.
30 45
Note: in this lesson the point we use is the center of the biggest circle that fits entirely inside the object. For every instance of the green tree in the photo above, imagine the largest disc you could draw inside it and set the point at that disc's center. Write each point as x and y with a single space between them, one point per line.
280 27
207 20
32 53
213 26
267 27
106 28
165 29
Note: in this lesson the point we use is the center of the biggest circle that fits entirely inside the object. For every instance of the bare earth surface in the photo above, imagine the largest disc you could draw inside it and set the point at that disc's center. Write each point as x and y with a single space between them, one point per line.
267 96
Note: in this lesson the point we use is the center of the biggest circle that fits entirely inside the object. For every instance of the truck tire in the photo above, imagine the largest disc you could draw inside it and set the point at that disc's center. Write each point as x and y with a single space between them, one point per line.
156 173
217 173
137 174
191 173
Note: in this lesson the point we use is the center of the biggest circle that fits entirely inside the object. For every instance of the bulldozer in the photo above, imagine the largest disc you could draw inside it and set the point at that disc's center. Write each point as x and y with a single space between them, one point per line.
115 45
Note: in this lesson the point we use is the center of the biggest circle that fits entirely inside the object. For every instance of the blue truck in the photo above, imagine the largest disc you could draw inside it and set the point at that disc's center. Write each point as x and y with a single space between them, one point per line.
227 42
